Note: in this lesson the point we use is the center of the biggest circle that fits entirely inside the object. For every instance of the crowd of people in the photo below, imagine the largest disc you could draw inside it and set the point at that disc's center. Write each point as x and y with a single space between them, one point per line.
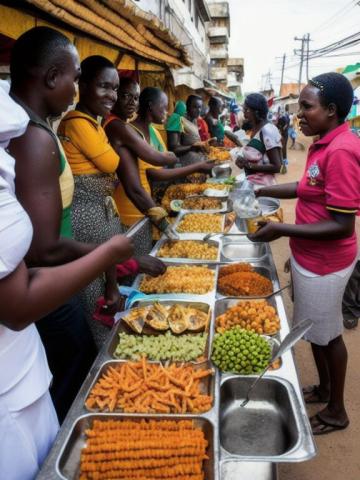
67 197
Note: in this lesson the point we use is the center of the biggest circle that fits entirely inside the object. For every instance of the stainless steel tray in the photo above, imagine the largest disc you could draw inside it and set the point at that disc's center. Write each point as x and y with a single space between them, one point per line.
223 304
122 327
265 271
163 241
269 428
224 206
184 296
243 251
207 384
194 235
68 462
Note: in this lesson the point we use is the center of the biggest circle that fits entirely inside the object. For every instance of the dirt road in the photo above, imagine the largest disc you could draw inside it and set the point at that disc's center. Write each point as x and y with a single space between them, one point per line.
338 453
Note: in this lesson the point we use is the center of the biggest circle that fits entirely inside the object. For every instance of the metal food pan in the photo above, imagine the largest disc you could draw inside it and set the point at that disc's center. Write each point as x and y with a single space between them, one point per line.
199 296
271 428
266 272
121 326
244 251
161 242
223 304
232 469
207 384
224 206
195 235
68 461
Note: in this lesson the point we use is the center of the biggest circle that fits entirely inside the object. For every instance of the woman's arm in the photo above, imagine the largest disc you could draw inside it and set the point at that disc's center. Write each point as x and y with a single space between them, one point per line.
128 174
164 174
286 190
122 135
340 226
27 295
231 136
174 144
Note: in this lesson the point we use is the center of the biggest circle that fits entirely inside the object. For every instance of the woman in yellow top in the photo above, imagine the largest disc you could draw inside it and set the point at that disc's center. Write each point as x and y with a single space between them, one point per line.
133 196
94 162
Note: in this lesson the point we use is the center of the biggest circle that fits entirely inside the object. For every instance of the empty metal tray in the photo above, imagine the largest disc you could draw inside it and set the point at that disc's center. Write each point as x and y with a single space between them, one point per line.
244 251
269 428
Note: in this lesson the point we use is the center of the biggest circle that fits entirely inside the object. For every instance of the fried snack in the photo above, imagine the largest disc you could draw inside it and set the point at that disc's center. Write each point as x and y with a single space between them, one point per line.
184 190
201 223
201 203
235 267
193 249
185 279
143 450
143 387
256 315
245 284
218 154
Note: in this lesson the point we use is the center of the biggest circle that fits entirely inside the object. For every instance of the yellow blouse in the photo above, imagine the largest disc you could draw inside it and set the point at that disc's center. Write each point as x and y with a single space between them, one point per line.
86 145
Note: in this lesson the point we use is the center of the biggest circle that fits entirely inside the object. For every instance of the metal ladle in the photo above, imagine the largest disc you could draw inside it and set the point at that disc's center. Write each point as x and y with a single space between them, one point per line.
289 341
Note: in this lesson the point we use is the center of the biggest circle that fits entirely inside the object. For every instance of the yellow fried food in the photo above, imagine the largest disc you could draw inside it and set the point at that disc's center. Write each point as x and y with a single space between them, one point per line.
201 203
185 279
201 222
184 190
194 249
219 154
256 315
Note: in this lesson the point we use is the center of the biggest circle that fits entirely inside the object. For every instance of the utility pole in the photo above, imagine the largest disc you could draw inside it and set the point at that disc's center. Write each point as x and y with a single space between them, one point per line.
282 72
302 40
307 56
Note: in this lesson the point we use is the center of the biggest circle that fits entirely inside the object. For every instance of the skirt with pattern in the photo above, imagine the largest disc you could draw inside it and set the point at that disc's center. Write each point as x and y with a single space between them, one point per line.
94 220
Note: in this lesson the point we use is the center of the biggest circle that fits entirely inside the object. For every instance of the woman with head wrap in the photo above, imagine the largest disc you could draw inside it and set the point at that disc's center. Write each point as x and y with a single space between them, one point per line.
323 240
261 158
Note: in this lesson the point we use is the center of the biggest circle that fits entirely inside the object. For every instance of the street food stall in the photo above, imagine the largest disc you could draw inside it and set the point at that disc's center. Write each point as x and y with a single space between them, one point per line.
164 396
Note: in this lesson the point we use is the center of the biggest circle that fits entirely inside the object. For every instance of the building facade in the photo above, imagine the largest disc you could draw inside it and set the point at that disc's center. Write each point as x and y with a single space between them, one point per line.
186 20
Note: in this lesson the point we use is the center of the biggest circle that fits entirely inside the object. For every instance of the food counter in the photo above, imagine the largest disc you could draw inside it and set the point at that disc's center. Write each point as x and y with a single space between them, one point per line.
242 442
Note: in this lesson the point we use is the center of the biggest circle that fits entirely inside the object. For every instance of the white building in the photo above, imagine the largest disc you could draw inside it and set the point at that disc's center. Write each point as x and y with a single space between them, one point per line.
186 19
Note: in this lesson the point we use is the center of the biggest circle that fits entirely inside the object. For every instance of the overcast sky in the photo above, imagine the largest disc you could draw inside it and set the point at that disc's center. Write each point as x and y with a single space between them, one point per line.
262 30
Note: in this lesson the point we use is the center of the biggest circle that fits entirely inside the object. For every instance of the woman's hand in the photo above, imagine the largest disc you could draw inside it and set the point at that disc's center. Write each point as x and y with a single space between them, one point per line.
240 162
151 265
267 232
200 146
206 167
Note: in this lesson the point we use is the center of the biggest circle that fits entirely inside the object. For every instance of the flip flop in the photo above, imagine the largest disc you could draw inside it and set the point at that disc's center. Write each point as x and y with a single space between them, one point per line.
314 391
320 426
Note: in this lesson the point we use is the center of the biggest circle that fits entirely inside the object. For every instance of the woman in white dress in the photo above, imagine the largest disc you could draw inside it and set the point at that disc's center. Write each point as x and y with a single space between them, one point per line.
28 422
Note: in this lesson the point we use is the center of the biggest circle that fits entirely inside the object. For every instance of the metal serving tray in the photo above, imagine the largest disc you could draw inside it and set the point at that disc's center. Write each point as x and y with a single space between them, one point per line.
262 270
224 206
208 296
207 384
270 428
68 462
243 251
223 304
194 235
163 241
121 327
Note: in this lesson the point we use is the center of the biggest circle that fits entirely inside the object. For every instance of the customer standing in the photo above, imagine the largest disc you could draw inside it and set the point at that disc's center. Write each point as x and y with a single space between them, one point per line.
323 240
28 422
94 163
261 158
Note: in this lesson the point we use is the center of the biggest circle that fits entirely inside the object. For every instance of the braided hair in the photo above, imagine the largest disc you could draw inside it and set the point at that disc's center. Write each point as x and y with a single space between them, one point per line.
336 89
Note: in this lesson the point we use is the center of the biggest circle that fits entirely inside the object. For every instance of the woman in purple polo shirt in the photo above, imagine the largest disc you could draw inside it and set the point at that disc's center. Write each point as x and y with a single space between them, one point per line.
323 240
